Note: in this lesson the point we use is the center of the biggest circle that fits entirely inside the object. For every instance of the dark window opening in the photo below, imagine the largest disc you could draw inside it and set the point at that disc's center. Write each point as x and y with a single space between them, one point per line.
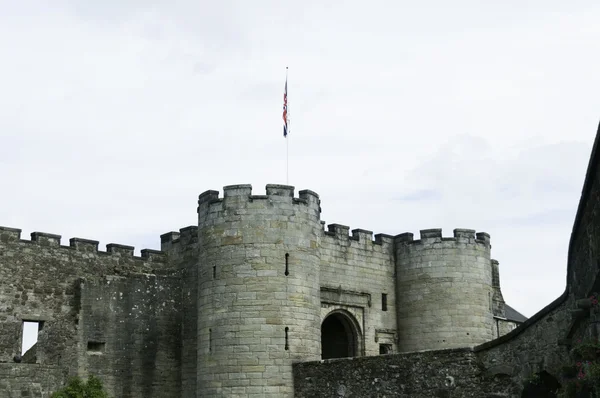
287 270
287 345
383 302
214 272
209 340
95 346
385 349
31 330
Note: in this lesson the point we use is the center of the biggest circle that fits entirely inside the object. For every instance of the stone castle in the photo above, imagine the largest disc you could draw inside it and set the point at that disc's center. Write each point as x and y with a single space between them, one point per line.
259 300
227 306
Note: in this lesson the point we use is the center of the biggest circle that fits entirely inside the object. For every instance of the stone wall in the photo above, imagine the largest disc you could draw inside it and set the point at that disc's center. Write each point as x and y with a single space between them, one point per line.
361 269
131 334
448 373
29 380
503 326
584 248
181 249
533 347
41 282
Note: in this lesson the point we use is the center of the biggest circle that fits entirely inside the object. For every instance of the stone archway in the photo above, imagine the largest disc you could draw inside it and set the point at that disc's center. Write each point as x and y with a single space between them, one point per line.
340 336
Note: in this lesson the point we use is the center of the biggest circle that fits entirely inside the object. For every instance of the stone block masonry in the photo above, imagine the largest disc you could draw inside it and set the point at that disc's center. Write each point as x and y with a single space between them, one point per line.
29 380
259 290
444 290
447 373
131 329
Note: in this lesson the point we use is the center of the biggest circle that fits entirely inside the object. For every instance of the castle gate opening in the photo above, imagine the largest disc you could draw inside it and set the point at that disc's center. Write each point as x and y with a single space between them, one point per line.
339 336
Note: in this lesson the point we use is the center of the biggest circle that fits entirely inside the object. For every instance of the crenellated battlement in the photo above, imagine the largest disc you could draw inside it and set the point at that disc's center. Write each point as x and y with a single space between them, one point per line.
240 196
44 239
342 232
357 242
186 236
429 236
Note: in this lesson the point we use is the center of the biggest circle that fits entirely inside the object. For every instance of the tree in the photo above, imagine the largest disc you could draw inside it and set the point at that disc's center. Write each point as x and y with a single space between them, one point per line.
77 388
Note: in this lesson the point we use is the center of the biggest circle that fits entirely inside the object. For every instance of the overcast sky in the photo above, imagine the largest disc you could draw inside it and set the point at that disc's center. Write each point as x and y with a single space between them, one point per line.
404 116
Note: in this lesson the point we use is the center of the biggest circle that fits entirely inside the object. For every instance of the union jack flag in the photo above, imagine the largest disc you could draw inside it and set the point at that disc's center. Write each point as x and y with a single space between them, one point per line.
285 109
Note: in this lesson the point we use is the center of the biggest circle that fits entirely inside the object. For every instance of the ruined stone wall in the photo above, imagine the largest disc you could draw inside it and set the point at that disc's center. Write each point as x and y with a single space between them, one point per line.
355 272
131 334
39 281
444 290
448 373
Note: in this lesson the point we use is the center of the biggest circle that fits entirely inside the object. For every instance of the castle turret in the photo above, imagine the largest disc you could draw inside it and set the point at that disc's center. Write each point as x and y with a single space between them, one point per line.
258 289
498 304
444 290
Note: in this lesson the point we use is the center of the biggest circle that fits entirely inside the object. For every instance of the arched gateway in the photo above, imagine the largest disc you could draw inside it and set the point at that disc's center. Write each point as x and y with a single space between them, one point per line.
340 336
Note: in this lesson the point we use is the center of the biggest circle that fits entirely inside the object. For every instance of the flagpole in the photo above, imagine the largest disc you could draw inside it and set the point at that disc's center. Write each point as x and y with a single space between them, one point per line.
287 157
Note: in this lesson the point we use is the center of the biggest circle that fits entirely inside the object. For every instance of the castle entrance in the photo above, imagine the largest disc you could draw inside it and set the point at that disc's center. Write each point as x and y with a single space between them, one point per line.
339 336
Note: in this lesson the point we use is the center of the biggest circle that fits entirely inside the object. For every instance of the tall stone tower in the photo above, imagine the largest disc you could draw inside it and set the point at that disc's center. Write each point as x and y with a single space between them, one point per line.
444 290
258 301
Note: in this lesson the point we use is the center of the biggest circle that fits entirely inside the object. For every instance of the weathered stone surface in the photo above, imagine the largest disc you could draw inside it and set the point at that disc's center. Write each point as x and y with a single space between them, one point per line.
444 291
448 373
29 380
131 331
258 307
42 281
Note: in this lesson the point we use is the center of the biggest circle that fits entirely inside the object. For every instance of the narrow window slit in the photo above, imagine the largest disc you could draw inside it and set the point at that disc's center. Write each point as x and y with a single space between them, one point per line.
209 340
383 302
214 272
287 345
287 270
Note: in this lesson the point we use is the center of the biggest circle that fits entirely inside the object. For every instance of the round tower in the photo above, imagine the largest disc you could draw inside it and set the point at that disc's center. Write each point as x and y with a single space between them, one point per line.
444 290
259 307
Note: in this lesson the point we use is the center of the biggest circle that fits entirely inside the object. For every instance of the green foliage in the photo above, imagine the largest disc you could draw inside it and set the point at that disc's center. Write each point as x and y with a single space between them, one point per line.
582 378
78 388
533 379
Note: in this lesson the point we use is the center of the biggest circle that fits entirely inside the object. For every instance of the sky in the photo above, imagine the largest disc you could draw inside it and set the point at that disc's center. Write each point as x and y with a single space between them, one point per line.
403 116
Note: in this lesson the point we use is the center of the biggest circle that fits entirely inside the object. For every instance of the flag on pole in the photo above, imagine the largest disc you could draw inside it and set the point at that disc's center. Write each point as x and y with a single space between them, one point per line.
285 106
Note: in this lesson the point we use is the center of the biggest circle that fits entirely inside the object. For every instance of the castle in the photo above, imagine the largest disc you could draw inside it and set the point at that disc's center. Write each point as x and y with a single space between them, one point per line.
227 306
